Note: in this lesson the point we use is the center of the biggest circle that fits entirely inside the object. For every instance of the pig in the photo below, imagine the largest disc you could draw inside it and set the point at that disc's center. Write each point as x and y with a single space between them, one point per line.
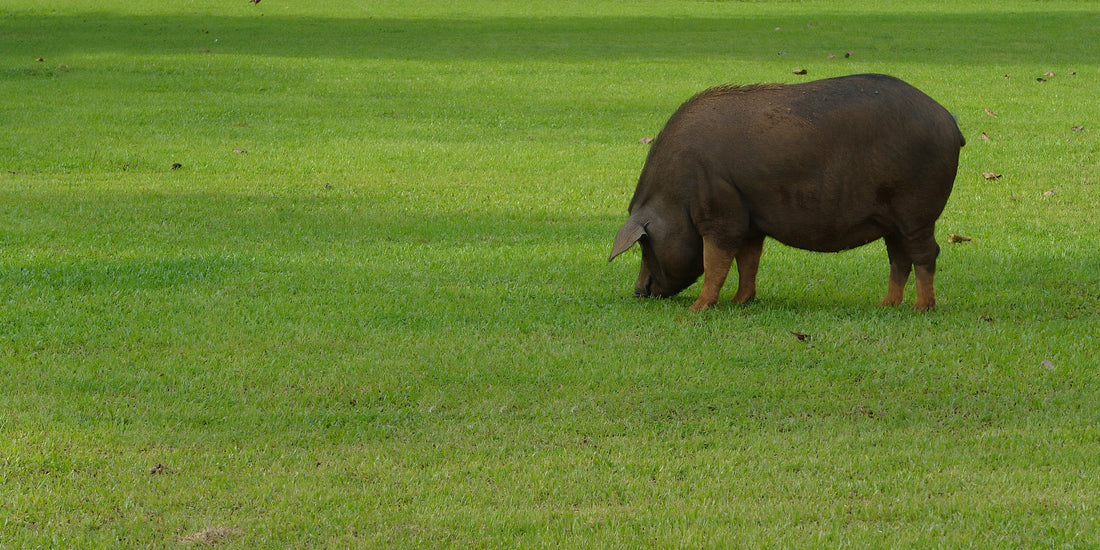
826 166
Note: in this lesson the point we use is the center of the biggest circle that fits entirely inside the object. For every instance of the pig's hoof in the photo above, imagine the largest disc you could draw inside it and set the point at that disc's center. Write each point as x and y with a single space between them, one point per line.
702 305
924 307
743 299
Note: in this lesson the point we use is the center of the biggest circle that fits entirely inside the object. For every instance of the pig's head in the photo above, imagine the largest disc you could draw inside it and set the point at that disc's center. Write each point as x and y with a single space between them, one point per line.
672 252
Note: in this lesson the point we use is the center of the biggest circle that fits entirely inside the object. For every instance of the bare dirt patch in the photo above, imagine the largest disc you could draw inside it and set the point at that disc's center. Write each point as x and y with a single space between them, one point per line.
211 536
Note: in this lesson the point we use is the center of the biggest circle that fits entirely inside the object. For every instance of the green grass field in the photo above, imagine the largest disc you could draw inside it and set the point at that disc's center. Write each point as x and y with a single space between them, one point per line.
333 274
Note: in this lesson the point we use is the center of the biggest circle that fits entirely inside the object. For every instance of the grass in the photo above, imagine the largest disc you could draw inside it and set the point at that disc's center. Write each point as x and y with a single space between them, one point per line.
389 320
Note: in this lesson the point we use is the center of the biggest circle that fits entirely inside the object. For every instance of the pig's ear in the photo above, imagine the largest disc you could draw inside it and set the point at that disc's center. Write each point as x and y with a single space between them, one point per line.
628 234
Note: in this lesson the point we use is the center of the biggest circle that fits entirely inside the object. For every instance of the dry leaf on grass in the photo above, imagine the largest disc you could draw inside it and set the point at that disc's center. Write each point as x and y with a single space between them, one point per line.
956 238
645 140
991 113
991 175
800 71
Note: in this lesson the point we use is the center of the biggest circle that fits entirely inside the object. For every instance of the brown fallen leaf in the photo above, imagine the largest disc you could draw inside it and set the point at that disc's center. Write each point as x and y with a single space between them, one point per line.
176 166
1047 364
1050 193
849 54
801 337
1078 128
159 469
238 151
985 136
645 140
800 71
40 59
1048 73
956 238
991 113
832 56
991 175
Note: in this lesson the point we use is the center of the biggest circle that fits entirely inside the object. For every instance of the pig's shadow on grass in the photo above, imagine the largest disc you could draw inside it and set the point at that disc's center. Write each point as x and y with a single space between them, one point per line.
1037 284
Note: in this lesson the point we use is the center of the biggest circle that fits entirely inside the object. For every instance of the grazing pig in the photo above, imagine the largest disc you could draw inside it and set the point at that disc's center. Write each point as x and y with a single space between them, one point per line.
825 166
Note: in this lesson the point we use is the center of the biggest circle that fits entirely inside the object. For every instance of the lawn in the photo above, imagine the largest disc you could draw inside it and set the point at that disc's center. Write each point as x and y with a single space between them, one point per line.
333 274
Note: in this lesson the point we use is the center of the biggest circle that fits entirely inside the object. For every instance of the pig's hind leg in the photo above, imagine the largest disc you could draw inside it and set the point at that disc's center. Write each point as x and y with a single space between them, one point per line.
900 267
917 253
924 250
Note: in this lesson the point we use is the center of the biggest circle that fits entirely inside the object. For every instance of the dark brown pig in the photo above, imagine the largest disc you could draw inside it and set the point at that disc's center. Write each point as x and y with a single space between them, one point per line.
826 166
